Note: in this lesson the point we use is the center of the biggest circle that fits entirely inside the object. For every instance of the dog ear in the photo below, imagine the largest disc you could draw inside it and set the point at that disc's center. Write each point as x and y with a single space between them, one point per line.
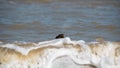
59 36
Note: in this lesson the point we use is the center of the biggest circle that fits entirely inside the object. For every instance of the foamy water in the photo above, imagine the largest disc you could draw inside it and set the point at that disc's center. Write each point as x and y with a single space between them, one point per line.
27 22
60 53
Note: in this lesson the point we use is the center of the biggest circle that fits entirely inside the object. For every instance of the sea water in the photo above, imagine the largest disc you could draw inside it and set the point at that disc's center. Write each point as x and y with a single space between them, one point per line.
39 20
28 29
60 53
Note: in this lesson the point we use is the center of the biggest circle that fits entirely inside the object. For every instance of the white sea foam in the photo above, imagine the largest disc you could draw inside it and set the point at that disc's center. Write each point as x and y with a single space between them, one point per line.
47 54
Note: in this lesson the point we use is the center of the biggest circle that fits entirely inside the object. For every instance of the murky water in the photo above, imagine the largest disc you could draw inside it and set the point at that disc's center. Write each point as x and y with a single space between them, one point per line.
42 20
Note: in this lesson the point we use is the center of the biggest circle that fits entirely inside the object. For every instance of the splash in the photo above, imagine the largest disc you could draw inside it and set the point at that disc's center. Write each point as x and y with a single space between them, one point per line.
49 54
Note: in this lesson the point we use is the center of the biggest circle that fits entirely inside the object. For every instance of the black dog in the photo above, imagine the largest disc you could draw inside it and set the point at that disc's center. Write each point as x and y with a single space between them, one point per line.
59 36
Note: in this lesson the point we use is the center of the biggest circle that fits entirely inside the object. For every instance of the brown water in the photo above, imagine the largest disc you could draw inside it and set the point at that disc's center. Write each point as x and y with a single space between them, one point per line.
39 20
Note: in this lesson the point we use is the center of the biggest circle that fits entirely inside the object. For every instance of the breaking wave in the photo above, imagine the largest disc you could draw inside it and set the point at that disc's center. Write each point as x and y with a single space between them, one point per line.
60 53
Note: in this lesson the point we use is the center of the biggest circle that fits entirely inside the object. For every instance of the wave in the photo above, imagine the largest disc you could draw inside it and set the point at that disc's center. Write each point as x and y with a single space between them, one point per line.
49 54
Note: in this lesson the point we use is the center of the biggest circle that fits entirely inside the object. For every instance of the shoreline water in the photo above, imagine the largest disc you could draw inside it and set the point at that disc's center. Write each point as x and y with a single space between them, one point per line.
23 24
97 54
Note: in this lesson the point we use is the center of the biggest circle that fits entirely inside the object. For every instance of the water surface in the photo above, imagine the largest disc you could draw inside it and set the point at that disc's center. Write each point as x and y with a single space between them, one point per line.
42 20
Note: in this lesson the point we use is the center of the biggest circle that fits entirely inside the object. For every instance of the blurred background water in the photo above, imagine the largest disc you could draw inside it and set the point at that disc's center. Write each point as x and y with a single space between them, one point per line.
39 20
